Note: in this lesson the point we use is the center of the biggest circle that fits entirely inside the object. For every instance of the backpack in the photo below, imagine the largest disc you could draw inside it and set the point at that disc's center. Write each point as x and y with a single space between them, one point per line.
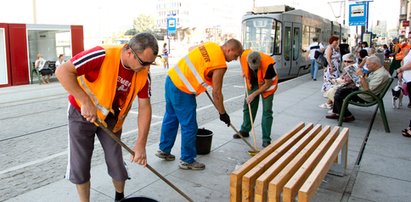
321 60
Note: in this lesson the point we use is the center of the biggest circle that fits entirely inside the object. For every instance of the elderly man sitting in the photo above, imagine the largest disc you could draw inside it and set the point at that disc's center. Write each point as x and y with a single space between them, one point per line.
374 82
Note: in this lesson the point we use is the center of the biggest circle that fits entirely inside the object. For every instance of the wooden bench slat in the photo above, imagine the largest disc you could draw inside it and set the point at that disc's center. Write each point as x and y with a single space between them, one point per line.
294 164
277 183
315 178
250 177
236 175
291 187
293 148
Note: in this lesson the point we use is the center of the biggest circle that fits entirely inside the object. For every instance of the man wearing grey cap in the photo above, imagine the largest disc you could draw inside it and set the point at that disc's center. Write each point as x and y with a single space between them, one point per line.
261 79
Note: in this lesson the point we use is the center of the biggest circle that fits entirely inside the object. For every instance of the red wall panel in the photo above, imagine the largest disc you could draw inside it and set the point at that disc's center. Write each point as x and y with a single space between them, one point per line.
77 39
6 36
18 54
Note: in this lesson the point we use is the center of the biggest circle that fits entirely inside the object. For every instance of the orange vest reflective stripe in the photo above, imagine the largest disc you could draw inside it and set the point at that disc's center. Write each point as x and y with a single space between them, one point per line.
190 74
103 90
266 60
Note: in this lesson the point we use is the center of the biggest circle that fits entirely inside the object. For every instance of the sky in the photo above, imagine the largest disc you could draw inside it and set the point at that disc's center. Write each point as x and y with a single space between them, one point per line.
103 17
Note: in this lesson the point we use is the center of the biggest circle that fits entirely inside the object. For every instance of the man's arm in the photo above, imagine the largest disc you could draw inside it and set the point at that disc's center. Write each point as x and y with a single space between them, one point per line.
218 75
67 75
265 86
363 82
144 121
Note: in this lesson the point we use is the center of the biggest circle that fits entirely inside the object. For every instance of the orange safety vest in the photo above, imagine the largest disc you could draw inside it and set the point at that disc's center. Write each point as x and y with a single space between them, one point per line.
190 74
266 60
400 55
103 90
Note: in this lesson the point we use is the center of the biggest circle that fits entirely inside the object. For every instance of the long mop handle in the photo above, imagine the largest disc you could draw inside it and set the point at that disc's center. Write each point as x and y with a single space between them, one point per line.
115 138
251 114
238 133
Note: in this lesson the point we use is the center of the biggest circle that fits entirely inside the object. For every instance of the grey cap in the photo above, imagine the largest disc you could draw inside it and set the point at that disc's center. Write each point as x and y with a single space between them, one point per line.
254 60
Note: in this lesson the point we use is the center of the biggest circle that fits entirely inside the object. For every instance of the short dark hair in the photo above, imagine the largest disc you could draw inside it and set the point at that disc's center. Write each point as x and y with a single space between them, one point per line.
363 53
142 41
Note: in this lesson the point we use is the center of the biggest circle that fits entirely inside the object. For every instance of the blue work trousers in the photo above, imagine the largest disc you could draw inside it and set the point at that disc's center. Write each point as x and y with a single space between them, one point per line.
180 109
314 69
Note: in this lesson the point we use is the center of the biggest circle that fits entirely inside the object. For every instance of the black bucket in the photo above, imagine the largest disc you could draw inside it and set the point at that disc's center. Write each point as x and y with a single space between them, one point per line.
138 199
204 138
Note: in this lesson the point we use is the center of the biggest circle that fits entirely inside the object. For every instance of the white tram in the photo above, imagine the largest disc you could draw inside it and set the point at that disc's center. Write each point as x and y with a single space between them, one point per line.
285 34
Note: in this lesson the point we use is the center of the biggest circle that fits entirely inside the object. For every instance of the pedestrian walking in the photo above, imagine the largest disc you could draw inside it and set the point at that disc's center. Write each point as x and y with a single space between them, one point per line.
315 46
102 83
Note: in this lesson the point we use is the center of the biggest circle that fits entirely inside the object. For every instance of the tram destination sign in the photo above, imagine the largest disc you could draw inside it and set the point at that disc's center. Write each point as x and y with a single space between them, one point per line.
358 15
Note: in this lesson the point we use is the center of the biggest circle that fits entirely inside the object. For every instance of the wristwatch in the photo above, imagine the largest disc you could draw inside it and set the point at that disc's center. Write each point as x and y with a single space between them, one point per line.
361 76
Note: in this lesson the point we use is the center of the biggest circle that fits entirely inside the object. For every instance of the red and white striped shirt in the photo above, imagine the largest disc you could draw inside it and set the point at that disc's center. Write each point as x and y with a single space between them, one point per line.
88 63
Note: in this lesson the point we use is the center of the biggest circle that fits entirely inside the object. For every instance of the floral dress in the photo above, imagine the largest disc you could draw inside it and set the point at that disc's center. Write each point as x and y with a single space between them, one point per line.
335 60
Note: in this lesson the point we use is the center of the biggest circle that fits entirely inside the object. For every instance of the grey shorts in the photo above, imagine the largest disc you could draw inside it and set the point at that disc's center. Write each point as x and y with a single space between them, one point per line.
81 135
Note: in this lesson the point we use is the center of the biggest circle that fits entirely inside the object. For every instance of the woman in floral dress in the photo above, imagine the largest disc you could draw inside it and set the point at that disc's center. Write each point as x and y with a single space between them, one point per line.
332 54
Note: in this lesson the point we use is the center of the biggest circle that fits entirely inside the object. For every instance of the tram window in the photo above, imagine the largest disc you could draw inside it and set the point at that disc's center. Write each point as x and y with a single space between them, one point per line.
258 34
306 37
318 33
277 41
287 44
296 43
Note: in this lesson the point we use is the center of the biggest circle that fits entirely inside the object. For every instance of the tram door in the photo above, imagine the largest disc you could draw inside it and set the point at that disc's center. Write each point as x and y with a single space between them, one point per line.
292 47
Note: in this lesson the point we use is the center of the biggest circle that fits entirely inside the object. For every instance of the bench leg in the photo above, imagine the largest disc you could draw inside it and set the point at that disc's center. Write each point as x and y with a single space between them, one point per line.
342 161
384 116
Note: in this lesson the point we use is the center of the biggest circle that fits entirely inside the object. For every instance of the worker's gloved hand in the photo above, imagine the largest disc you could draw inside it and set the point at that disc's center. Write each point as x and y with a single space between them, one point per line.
225 118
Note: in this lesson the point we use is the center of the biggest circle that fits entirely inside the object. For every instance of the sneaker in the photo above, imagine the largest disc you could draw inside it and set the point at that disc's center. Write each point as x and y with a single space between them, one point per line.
191 166
162 155
244 134
266 143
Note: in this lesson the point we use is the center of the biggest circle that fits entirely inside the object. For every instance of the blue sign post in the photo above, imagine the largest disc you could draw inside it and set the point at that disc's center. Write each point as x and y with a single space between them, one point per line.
171 29
358 15
171 25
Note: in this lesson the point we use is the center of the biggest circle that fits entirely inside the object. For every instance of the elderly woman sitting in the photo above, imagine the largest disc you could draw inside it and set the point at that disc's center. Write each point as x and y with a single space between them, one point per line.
343 80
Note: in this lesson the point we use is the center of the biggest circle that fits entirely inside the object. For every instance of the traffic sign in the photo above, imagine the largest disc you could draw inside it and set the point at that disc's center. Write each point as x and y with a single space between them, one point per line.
358 15
171 25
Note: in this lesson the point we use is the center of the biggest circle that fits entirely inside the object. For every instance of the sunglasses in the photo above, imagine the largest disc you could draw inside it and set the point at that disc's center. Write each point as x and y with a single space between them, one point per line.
139 60
348 61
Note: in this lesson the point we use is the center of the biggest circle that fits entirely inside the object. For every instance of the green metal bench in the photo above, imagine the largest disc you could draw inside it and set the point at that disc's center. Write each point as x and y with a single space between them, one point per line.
378 100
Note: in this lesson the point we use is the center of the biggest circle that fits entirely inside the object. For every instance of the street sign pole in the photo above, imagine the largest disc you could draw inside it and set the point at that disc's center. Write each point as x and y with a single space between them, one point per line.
171 28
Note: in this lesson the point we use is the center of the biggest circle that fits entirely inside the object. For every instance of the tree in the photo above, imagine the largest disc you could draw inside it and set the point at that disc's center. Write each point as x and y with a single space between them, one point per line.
145 23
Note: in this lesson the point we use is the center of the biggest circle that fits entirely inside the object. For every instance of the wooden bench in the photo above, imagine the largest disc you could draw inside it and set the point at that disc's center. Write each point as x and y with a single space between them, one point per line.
294 164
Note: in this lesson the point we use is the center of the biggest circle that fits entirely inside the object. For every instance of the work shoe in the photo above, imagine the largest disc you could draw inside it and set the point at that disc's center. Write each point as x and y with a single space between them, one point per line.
191 166
332 116
244 134
162 155
266 143
349 118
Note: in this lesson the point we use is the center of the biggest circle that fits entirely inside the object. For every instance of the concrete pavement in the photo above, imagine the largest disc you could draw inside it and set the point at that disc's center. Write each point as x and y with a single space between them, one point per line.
381 175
